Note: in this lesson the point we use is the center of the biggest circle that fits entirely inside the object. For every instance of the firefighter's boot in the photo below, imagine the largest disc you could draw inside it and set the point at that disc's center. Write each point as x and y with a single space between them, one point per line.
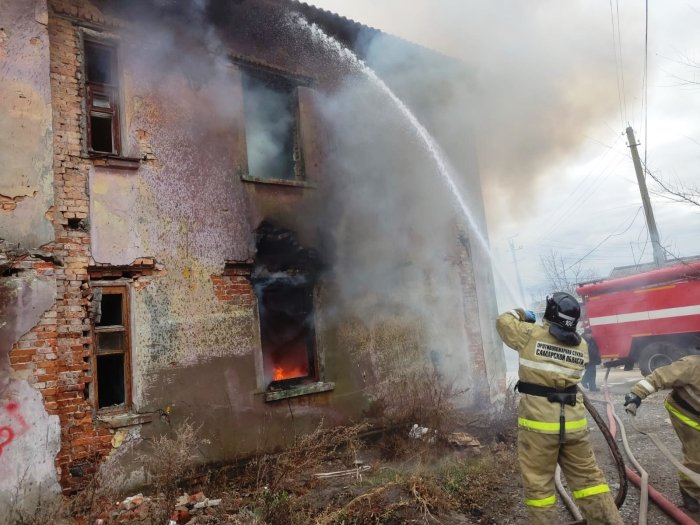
600 510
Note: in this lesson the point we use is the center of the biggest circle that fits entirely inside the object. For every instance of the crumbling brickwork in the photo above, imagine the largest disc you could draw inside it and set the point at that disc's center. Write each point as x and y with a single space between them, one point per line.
9 203
233 287
162 218
55 355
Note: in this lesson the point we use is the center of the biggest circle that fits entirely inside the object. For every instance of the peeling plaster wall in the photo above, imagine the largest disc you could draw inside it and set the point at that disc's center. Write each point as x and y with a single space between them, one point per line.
27 471
26 178
29 437
23 300
187 208
393 295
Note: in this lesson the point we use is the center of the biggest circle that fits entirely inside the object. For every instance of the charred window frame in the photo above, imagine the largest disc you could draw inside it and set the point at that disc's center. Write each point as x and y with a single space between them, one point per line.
287 331
272 126
285 277
111 356
102 100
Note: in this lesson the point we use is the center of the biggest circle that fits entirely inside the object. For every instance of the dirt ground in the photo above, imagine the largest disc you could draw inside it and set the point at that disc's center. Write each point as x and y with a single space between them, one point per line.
651 417
490 491
405 481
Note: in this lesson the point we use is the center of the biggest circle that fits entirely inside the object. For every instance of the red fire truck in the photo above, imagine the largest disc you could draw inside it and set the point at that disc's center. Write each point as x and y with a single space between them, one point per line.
650 318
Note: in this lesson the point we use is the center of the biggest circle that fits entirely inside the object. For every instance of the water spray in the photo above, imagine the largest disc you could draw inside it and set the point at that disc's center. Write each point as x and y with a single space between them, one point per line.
423 135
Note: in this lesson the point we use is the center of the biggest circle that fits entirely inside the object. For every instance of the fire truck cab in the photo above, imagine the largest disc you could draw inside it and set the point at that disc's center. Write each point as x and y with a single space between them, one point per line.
651 318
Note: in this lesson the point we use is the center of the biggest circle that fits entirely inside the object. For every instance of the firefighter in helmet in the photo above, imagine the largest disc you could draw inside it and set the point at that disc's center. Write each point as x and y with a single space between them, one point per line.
551 416
683 405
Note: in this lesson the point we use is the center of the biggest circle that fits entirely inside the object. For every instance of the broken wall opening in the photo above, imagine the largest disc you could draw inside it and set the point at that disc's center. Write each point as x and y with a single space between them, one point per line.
284 278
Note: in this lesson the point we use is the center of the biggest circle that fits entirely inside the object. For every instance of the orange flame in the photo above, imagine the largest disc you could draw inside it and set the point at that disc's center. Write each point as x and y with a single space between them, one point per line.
281 373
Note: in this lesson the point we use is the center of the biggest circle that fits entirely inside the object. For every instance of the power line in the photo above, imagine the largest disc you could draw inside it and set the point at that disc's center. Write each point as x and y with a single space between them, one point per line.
617 67
611 235
590 191
622 65
565 211
645 86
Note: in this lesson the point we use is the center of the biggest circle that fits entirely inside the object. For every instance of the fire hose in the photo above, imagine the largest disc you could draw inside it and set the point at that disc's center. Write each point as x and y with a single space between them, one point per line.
641 479
647 491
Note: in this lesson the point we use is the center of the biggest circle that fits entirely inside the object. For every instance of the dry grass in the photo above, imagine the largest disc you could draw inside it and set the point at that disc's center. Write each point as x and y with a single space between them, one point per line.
477 486
419 395
171 459
414 481
274 472
415 497
429 486
504 423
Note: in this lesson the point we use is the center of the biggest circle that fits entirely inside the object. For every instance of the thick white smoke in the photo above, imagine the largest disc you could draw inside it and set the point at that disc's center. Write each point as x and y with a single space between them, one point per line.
543 76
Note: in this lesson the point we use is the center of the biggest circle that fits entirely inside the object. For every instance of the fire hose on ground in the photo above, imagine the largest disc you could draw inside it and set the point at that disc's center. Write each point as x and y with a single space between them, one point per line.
647 491
617 457
624 472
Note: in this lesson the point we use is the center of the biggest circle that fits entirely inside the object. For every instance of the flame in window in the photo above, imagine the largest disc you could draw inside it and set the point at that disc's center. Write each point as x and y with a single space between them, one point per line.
281 373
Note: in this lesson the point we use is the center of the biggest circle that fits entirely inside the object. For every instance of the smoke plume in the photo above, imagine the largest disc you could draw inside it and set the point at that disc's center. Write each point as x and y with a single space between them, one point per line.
539 82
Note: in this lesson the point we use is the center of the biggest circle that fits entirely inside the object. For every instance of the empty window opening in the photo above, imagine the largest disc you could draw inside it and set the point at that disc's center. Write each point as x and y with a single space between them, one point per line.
284 277
271 126
110 387
112 347
102 97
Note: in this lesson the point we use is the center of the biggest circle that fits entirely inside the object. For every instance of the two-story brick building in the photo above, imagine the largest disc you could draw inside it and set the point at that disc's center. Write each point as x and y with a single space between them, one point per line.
210 212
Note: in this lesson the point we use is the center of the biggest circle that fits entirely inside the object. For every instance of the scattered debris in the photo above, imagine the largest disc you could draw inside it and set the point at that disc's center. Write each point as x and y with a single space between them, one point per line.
462 439
423 433
187 507
357 471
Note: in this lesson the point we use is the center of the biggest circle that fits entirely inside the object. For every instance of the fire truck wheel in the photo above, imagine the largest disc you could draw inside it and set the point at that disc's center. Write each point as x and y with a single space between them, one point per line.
658 354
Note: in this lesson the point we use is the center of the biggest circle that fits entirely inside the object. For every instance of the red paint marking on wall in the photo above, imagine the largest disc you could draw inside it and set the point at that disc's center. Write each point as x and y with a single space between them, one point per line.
7 434
12 409
6 437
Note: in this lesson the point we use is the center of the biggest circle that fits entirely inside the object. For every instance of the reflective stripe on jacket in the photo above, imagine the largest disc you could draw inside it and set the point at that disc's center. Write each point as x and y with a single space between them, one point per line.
684 417
546 361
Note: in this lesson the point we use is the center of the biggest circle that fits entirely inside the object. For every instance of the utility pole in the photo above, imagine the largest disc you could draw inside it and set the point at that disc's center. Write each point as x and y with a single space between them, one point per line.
517 272
659 255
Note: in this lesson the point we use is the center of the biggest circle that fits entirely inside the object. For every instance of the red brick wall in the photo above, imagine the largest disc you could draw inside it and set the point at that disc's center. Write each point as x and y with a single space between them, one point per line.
55 354
235 289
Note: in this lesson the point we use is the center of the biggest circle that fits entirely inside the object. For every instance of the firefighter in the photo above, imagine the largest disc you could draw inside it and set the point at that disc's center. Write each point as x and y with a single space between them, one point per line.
588 379
683 405
551 416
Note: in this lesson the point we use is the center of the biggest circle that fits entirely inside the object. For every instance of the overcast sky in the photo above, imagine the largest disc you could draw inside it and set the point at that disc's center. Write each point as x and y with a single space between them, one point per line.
560 81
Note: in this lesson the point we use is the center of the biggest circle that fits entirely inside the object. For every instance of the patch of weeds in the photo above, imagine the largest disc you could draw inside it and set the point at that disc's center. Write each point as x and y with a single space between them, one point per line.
423 396
32 504
44 511
170 460
476 485
503 423
394 499
276 472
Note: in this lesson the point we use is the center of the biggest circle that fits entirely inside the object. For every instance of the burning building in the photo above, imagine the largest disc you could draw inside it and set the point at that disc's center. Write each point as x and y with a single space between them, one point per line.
212 212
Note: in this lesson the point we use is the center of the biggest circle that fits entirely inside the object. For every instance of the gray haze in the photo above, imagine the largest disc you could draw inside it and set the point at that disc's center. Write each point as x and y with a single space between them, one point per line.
549 112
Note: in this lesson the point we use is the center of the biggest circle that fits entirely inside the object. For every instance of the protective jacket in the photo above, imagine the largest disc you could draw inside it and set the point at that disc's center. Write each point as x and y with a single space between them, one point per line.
545 361
683 376
546 365
683 405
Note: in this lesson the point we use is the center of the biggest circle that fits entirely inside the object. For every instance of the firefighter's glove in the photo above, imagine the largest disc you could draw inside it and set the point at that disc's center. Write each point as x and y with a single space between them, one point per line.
632 402
529 316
